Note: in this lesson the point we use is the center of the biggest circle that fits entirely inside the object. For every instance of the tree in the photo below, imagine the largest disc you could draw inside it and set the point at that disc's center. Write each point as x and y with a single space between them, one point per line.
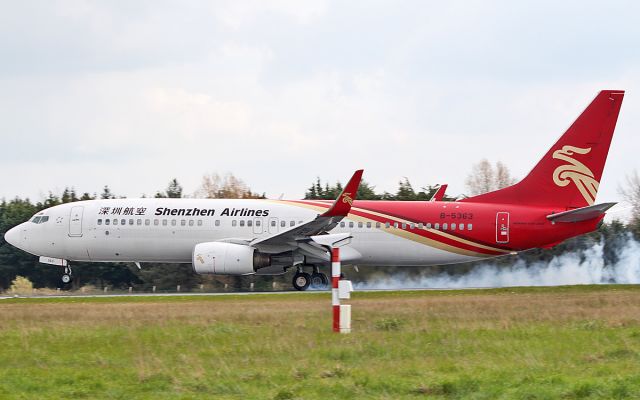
174 190
106 193
486 178
69 195
214 186
631 194
405 191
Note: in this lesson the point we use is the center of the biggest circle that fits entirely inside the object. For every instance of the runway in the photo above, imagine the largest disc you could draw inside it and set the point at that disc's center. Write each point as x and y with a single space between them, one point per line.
189 294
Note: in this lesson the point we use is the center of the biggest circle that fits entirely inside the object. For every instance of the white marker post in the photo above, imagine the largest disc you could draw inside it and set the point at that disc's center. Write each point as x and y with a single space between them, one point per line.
335 278
340 289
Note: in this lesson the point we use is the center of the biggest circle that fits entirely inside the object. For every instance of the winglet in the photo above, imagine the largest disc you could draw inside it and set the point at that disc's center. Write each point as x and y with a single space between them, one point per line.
343 203
439 194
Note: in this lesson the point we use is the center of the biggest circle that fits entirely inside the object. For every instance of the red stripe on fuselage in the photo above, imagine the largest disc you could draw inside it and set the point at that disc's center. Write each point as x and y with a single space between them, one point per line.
428 234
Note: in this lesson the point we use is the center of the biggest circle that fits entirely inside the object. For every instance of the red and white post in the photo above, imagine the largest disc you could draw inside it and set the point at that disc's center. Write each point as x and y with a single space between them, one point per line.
335 278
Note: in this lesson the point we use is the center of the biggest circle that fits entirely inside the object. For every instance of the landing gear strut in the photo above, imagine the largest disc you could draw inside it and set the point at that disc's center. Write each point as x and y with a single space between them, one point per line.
315 280
67 275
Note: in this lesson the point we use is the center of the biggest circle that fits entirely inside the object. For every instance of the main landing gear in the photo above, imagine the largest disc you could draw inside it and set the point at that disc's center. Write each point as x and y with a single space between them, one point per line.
315 280
67 275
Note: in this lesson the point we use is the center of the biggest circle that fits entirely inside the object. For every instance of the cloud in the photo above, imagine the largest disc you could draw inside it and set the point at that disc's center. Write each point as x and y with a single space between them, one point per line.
281 92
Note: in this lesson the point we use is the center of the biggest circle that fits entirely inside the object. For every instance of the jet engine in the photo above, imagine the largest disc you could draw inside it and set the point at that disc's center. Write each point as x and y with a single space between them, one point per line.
228 259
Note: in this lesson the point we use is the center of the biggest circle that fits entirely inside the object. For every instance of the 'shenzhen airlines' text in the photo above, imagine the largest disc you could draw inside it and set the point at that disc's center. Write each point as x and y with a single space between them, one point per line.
210 212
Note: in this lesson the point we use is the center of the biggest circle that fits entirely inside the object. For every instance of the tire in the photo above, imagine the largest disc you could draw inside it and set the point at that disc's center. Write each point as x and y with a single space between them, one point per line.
301 281
319 281
66 279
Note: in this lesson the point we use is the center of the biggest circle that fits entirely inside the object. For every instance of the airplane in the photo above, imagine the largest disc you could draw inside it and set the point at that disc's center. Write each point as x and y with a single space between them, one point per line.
554 202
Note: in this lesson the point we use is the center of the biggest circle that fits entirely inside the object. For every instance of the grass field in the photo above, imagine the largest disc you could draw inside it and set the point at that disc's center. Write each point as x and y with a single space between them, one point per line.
527 343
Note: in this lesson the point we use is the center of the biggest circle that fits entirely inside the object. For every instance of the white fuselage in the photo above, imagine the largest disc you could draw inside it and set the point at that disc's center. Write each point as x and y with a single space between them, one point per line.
166 230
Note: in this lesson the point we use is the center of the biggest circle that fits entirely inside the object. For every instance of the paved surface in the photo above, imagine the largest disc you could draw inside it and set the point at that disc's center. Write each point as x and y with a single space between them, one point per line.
73 295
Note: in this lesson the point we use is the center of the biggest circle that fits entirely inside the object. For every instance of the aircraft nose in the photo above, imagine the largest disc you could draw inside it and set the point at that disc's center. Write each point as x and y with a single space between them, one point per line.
13 236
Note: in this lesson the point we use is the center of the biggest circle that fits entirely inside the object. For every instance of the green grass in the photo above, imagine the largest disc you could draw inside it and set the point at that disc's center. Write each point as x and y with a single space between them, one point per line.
525 343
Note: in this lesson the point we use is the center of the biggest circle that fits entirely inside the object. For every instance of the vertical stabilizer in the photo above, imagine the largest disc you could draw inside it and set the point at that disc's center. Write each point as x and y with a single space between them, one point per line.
569 174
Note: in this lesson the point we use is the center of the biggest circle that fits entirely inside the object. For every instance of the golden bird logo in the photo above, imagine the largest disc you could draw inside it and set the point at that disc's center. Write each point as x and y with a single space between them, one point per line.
575 172
346 198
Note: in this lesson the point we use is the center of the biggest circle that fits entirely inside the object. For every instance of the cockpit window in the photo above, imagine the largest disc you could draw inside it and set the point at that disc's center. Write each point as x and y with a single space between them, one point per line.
40 219
36 220
44 219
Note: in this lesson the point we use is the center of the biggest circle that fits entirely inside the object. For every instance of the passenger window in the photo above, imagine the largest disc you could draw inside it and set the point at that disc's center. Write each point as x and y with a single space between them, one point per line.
130 222
99 222
428 225
350 224
283 224
273 223
156 222
412 226
183 222
404 226
368 224
387 225
164 222
292 223
107 221
217 222
395 225
249 223
123 222
147 222
258 223
360 225
444 226
436 226
241 222
115 221
461 227
341 224
174 222
200 222
420 225
469 227
139 222
378 225
191 222
453 226
234 223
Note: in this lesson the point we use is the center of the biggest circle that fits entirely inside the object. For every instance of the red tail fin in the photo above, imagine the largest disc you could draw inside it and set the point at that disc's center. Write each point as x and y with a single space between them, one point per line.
569 174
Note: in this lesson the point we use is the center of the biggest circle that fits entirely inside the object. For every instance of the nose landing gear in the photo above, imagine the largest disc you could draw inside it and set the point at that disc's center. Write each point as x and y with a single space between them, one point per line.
316 280
67 275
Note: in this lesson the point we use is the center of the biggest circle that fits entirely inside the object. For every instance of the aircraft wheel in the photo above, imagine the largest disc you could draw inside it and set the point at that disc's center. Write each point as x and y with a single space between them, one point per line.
301 281
66 278
319 280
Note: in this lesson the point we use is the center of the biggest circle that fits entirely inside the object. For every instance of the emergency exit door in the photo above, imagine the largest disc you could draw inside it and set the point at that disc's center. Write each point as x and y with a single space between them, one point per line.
502 227
75 221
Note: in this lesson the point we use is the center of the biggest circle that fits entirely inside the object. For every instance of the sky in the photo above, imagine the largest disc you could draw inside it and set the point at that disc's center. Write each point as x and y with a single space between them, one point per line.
132 94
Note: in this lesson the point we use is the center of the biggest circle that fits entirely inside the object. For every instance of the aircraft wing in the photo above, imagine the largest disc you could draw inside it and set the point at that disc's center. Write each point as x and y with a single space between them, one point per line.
323 223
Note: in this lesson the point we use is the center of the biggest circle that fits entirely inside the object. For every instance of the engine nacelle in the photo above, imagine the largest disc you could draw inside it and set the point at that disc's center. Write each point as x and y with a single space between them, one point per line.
227 259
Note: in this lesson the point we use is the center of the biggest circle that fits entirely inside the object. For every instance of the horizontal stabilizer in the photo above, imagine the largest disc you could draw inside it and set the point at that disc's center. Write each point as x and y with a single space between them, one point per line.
581 214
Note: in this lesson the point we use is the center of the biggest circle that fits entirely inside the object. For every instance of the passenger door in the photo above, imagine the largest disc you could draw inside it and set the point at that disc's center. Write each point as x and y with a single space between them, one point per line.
75 221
